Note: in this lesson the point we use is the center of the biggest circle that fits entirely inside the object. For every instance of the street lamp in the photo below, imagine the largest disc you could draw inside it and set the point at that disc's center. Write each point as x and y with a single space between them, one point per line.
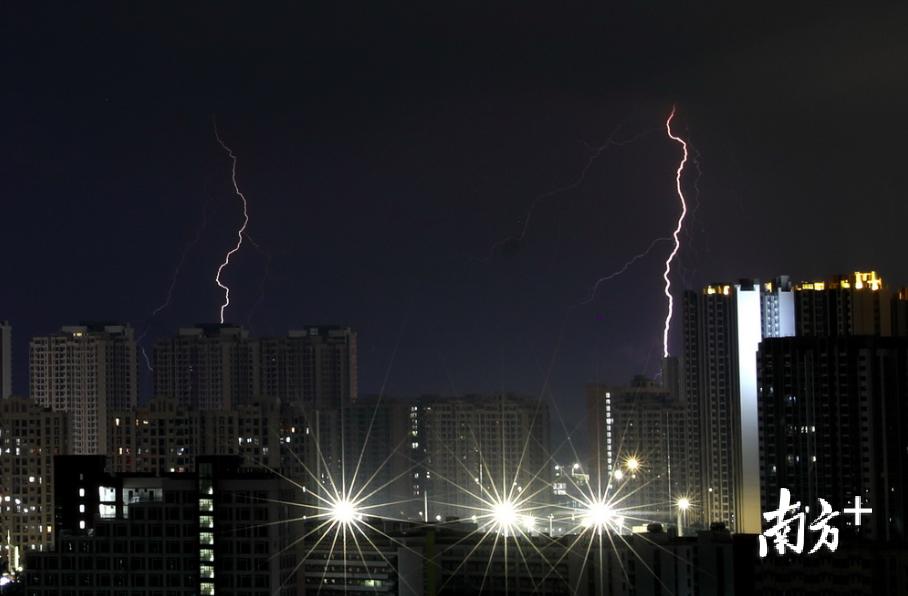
683 505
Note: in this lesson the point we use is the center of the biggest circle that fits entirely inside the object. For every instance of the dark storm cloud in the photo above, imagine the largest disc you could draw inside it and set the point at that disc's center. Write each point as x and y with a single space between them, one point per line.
386 147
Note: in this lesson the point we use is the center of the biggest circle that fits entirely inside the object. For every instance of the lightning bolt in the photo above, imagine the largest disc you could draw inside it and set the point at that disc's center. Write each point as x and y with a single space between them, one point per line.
692 250
675 234
240 232
173 282
622 270
595 152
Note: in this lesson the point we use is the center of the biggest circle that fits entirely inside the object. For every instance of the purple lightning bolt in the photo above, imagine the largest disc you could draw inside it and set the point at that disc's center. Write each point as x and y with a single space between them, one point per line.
240 232
668 261
595 152
622 270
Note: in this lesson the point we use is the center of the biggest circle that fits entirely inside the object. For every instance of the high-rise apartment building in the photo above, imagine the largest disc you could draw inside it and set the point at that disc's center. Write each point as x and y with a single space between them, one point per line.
218 530
315 366
492 446
364 448
856 304
723 326
86 371
6 360
30 437
834 426
164 437
639 446
208 367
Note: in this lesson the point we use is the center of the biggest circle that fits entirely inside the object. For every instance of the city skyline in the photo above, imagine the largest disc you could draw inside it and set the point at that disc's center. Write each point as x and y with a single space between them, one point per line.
677 449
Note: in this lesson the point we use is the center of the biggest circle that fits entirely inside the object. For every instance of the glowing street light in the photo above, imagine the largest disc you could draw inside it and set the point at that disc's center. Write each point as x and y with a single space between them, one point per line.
344 512
683 505
632 464
505 516
598 515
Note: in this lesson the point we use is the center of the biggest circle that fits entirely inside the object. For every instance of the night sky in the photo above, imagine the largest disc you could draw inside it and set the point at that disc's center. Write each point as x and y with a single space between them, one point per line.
391 153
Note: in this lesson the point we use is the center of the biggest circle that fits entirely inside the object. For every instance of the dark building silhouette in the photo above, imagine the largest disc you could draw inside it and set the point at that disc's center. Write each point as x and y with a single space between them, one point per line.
315 366
454 558
218 530
211 367
834 425
855 304
208 367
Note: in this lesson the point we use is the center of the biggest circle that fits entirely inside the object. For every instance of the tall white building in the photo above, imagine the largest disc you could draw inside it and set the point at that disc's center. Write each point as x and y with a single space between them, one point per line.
86 371
6 363
723 327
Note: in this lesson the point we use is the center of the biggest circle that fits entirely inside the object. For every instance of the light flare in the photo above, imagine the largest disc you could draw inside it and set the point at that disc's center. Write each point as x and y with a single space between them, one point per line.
632 463
345 512
240 232
504 516
675 234
598 515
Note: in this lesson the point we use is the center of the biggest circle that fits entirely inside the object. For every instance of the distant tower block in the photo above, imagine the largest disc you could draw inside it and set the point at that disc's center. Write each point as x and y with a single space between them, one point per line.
671 376
85 370
6 360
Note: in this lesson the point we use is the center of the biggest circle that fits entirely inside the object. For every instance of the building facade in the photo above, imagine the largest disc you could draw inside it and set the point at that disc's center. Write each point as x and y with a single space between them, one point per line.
854 304
364 449
165 437
219 530
211 367
640 429
480 447
85 371
207 367
30 437
6 359
722 326
833 425
315 366
458 558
